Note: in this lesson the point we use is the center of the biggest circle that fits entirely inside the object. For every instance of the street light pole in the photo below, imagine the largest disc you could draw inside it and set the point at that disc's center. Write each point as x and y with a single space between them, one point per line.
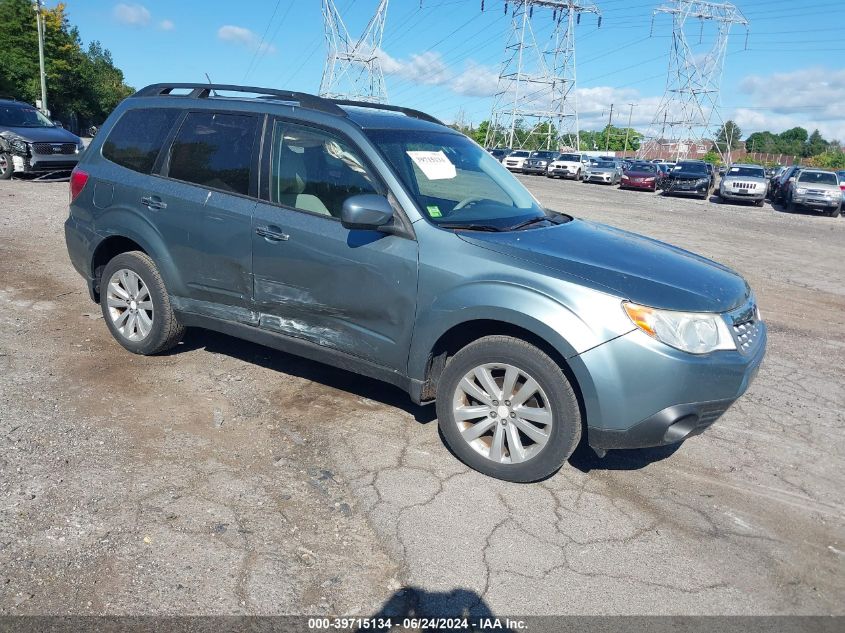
628 129
40 22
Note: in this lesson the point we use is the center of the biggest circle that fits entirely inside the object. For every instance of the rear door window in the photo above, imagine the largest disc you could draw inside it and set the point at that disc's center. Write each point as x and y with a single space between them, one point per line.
136 139
214 150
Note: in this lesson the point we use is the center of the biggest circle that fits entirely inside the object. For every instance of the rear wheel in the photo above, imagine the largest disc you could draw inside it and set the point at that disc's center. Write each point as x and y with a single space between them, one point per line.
136 306
506 409
7 168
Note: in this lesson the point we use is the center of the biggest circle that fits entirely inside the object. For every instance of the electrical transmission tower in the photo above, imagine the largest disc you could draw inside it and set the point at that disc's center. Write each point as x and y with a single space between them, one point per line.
535 103
353 70
690 104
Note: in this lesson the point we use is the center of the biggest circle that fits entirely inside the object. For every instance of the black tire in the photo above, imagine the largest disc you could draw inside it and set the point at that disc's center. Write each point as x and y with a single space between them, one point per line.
790 205
760 203
566 416
7 168
578 175
835 212
166 331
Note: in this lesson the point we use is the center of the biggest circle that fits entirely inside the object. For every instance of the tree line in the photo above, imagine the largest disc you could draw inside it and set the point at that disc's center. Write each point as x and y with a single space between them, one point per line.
546 136
83 84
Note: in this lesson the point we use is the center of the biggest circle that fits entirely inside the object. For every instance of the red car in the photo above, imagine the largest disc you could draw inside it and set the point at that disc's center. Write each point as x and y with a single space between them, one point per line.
641 176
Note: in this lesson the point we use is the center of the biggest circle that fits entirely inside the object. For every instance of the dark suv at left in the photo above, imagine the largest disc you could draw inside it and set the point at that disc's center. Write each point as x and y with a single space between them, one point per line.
30 143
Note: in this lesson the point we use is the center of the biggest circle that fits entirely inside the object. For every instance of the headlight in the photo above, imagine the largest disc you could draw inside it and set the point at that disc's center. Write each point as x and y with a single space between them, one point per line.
20 147
705 179
801 191
696 333
649 179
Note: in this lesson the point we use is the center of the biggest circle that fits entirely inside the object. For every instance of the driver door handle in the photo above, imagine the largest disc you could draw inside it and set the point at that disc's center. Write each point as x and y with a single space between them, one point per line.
153 202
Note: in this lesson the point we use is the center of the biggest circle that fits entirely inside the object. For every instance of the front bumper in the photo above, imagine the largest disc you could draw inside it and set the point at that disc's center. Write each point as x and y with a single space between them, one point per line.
532 169
816 202
38 164
752 196
638 184
639 392
673 188
602 178
563 171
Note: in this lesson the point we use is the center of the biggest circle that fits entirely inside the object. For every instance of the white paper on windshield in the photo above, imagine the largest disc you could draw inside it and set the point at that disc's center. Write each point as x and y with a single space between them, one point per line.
734 170
435 165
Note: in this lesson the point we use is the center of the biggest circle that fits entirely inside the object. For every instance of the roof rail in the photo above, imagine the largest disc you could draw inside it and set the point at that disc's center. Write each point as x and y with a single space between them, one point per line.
302 99
414 114
203 91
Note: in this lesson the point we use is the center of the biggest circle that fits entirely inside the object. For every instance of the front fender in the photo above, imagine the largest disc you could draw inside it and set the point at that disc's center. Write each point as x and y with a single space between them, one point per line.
570 329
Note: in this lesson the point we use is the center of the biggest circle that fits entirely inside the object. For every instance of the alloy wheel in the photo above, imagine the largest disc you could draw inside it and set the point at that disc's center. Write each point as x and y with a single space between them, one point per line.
130 306
502 413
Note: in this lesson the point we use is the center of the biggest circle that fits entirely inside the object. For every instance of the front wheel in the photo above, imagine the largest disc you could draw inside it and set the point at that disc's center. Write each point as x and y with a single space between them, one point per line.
7 167
136 306
506 409
835 212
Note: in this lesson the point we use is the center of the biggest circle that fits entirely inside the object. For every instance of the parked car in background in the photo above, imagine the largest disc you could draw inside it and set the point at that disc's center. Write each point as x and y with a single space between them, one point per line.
816 189
515 159
688 177
500 152
744 182
712 171
418 262
841 176
568 165
538 162
781 187
641 176
30 143
606 172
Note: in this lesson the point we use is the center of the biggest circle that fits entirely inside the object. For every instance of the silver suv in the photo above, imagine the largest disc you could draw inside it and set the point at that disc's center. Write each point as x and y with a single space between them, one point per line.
816 189
32 143
744 182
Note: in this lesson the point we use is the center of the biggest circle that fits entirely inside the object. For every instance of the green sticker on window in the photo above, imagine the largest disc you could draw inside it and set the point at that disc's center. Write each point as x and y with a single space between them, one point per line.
434 211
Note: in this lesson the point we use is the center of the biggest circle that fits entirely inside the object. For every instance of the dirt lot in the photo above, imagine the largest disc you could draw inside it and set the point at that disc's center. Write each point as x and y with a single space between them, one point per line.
227 478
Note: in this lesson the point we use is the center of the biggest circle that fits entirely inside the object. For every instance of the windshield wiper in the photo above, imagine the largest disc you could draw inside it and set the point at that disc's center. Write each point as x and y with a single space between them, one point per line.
529 222
470 227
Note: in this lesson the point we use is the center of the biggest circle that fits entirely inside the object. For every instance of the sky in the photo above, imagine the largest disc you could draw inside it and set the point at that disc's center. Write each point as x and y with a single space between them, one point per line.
444 56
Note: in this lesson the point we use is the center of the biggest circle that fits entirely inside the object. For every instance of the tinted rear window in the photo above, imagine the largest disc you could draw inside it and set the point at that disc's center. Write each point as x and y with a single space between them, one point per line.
135 141
214 150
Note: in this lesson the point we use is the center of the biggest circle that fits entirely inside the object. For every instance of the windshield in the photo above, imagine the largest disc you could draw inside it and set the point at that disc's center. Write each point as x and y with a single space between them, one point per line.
572 158
746 172
17 116
605 164
646 168
818 178
542 154
696 168
455 182
519 154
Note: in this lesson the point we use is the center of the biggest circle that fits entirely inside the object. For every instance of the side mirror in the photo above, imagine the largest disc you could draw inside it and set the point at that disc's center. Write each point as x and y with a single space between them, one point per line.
58 124
792 179
366 212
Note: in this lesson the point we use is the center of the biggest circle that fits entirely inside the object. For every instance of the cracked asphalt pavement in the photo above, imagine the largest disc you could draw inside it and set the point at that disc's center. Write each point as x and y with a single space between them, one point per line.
226 478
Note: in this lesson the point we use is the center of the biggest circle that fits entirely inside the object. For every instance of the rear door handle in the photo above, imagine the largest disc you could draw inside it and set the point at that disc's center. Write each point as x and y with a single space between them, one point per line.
153 202
272 233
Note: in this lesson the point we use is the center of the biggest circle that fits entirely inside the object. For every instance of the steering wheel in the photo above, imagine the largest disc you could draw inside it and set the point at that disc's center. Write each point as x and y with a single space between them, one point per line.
465 203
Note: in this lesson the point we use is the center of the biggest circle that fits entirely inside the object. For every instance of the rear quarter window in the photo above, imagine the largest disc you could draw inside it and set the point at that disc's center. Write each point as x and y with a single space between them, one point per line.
136 139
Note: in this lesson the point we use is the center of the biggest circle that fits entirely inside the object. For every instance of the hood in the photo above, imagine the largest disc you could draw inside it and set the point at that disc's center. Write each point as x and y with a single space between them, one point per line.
633 173
688 174
628 265
41 134
818 186
730 179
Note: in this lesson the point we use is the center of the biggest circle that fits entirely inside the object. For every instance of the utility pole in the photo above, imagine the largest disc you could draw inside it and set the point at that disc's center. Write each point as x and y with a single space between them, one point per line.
609 123
628 129
40 22
537 80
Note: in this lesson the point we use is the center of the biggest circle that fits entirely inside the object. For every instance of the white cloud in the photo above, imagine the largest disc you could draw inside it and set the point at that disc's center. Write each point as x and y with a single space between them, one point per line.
809 97
429 69
166 25
244 37
132 14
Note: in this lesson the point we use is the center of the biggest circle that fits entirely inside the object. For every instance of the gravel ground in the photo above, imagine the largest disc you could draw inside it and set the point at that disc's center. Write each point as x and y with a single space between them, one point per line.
227 478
